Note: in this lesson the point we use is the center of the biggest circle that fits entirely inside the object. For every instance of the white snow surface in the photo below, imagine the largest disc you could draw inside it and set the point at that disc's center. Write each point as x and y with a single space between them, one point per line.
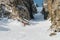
38 30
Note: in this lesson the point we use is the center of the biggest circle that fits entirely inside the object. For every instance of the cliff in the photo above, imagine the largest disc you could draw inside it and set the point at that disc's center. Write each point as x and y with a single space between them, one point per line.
53 7
17 9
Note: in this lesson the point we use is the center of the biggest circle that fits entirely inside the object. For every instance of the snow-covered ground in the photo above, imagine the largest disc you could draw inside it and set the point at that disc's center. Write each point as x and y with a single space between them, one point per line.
14 30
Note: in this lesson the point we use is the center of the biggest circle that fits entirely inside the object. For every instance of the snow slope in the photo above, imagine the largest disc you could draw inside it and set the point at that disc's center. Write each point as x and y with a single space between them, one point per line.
14 30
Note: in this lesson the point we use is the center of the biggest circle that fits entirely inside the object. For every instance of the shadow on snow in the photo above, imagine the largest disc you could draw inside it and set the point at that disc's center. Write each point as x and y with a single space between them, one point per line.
4 29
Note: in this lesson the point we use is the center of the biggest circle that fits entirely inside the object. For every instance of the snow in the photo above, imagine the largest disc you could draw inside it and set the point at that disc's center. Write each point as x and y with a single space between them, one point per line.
45 4
14 30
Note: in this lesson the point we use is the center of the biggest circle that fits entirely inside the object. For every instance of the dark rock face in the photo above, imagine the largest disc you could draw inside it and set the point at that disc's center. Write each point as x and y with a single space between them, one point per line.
45 11
19 8
30 6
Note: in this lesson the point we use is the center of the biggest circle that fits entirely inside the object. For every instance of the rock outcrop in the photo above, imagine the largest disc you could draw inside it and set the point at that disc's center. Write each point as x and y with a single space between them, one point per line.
18 9
53 7
45 11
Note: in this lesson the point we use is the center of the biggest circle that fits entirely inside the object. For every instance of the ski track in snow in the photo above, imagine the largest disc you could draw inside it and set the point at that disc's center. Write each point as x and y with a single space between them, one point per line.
14 30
